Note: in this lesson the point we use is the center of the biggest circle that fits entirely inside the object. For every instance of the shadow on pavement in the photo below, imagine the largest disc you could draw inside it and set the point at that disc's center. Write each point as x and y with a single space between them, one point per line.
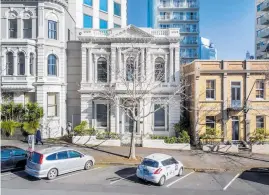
127 172
25 176
257 175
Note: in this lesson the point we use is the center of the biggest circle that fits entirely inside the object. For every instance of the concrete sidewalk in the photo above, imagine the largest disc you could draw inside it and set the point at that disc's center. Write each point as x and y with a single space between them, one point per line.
195 159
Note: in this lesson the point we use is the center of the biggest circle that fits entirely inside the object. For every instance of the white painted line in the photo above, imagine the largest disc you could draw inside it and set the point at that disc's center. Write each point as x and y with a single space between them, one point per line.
231 181
122 179
69 175
10 173
180 179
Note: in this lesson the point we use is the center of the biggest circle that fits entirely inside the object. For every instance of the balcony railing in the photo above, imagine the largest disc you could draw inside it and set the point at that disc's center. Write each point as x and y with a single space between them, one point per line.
179 5
264 19
235 105
265 5
18 82
264 33
177 18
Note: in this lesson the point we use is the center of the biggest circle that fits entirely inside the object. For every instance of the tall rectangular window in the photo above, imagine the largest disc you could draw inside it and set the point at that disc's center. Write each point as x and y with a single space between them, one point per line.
103 5
210 122
52 104
87 21
117 9
210 89
159 117
101 115
103 24
12 28
259 122
88 2
52 29
260 89
27 28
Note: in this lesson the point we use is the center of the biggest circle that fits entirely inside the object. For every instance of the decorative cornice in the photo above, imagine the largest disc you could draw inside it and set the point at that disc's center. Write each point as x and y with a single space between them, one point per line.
63 3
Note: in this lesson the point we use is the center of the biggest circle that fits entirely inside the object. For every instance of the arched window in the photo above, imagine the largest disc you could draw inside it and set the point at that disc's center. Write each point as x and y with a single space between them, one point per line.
102 70
10 63
130 69
52 65
159 70
21 57
31 64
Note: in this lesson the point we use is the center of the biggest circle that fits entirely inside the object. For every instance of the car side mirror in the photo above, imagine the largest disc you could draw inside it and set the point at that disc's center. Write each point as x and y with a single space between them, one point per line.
81 155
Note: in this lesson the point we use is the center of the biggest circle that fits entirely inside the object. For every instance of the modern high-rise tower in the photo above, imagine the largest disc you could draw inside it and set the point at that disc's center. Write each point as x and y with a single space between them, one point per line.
99 14
262 29
182 14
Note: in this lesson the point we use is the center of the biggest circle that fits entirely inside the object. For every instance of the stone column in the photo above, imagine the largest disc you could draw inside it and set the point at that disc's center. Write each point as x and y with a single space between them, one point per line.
95 69
20 28
148 64
90 68
224 105
171 68
117 115
15 65
142 64
34 27
248 86
3 67
113 65
118 67
83 62
166 68
177 65
27 65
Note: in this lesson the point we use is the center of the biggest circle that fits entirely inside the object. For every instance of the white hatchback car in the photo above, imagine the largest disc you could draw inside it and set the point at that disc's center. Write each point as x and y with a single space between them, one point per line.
158 168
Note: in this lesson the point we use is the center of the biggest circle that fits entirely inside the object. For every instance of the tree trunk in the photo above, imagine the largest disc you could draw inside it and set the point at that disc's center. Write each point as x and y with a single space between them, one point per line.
132 147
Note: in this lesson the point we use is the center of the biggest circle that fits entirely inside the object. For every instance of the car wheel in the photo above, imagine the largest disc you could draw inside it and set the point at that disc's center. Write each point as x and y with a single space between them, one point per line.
162 181
88 165
52 174
180 172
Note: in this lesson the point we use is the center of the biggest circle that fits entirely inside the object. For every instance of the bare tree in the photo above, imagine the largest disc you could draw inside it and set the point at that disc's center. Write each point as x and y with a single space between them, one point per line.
137 82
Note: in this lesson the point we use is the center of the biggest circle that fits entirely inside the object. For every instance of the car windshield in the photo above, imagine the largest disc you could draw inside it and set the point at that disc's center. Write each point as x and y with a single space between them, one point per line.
35 157
150 163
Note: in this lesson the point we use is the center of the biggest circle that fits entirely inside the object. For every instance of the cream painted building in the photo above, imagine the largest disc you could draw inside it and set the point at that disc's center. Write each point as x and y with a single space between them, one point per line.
103 53
33 57
229 96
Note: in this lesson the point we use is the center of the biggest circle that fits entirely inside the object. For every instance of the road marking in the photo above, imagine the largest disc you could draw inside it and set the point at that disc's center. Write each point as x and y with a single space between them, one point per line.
10 173
179 179
69 175
231 181
122 178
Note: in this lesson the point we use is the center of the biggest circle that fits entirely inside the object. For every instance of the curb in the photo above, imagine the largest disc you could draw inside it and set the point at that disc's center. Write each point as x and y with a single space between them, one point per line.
201 170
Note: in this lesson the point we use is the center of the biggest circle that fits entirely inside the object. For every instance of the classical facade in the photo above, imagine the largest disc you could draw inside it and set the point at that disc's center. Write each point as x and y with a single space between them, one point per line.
33 57
231 97
108 58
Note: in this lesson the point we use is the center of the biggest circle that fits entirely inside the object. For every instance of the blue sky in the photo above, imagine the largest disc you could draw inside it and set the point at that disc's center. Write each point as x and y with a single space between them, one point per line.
229 24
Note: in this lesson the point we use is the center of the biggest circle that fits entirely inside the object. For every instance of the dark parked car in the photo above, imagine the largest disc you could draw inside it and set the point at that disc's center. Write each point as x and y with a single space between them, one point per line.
12 158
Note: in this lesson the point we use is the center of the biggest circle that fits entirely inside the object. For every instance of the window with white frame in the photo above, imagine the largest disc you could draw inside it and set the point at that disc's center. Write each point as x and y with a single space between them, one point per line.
210 122
52 104
130 69
160 117
210 89
52 65
21 61
52 29
101 115
27 28
102 70
159 70
12 28
10 63
259 122
260 89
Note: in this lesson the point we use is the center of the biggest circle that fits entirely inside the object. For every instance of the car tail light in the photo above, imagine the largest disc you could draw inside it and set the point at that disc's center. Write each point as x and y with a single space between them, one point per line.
157 171
41 159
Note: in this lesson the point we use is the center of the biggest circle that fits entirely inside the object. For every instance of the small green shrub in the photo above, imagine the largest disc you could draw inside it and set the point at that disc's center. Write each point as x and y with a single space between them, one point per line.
9 127
30 127
107 135
158 137
171 140
259 135
183 138
80 129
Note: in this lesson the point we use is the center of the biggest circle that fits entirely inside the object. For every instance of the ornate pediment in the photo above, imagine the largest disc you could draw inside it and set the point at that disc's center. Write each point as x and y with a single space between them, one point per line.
132 32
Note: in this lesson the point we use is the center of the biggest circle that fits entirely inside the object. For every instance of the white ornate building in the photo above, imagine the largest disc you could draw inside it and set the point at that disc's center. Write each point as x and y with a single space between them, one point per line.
104 53
33 39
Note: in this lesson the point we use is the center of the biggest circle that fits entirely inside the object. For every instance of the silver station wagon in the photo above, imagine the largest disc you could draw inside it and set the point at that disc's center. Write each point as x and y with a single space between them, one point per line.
51 162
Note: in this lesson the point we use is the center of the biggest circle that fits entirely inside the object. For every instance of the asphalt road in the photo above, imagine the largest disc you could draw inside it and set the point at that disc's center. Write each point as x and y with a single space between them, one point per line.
122 180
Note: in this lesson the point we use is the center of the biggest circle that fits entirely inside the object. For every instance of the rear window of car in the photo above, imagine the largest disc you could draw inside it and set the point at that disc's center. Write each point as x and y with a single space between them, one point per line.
35 157
150 163
52 157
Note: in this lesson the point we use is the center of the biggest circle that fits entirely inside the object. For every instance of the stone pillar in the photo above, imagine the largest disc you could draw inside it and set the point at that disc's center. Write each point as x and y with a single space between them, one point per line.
84 63
166 68
34 27
224 105
20 28
118 67
3 67
248 86
142 64
27 65
117 115
90 68
177 65
113 65
148 64
171 68
86 109
15 65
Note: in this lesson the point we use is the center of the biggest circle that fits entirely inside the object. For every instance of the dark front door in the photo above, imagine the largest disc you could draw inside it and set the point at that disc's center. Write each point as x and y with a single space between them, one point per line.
235 128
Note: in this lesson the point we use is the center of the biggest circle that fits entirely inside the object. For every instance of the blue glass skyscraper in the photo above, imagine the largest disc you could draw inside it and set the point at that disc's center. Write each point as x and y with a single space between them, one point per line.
182 14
